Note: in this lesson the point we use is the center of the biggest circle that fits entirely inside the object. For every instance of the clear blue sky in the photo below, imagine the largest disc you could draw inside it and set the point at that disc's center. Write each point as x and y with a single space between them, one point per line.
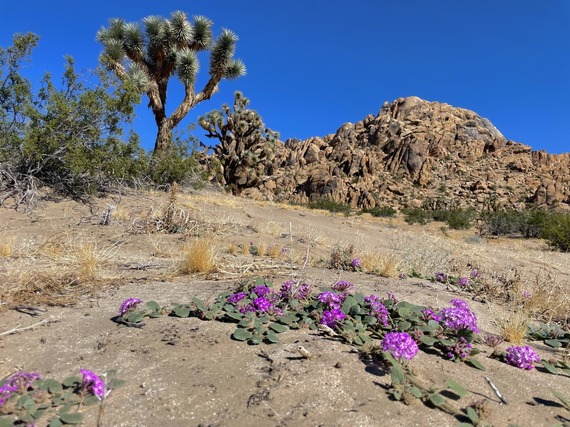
313 65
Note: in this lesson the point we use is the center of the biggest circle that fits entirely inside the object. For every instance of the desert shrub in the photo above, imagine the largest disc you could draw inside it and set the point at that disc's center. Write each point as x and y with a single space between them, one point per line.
381 211
417 216
503 222
328 204
556 231
460 219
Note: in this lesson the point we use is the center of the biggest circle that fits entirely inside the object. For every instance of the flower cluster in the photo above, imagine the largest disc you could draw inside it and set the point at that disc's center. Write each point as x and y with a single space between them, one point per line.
343 286
461 349
440 277
463 282
290 290
393 298
400 345
92 383
128 305
237 297
459 316
378 310
331 299
526 295
356 263
261 291
332 314
331 317
17 383
474 274
261 300
522 357
428 314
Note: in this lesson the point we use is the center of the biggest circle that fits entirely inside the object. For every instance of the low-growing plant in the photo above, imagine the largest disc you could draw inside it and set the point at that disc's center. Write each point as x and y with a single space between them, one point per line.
381 211
27 399
556 231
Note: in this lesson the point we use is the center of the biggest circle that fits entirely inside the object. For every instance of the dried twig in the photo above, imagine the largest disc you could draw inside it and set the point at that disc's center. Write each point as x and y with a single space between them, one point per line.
496 391
18 329
28 309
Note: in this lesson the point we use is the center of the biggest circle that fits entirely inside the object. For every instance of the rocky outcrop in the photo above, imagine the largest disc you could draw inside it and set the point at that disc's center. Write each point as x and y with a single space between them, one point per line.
412 153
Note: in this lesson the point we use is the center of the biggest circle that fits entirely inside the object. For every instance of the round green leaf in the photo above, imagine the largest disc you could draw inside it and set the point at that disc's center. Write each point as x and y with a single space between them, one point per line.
55 422
397 376
241 334
71 417
427 340
278 327
271 337
182 311
457 388
553 343
437 399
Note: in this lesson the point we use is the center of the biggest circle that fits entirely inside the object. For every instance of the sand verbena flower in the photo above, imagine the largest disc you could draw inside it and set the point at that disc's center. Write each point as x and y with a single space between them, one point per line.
92 383
400 344
128 305
522 357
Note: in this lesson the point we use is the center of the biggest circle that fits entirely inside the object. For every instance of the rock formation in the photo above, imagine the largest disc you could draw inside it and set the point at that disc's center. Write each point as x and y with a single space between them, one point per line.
412 153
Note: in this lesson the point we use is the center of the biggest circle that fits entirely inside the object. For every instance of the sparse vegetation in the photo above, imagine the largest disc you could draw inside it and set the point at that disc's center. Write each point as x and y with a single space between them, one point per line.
199 256
328 204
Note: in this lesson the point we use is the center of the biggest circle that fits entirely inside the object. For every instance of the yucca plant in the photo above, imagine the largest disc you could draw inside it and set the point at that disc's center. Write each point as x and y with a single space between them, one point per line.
146 57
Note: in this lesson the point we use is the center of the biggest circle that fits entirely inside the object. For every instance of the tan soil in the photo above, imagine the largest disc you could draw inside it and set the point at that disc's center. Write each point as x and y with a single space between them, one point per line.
188 372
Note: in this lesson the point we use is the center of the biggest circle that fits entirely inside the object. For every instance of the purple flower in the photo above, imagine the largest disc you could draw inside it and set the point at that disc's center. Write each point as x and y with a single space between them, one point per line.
289 290
526 295
392 297
92 383
402 276
261 304
378 310
474 274
343 286
331 300
261 291
440 277
463 282
521 357
429 314
17 383
461 349
331 317
235 298
400 344
128 304
459 316
356 263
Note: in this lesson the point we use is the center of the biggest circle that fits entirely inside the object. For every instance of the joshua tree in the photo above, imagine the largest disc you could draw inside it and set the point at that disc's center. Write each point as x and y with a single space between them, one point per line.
246 147
147 58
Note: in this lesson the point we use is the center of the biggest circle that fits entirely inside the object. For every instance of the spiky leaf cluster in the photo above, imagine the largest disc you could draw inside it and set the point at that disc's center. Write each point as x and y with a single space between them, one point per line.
246 147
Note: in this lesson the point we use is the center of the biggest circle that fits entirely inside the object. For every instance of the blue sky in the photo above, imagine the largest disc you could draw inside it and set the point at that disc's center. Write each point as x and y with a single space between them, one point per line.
313 65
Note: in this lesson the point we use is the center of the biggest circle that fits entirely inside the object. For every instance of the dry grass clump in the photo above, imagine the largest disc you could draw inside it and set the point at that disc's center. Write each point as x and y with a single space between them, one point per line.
385 265
275 251
199 256
120 214
514 327
6 247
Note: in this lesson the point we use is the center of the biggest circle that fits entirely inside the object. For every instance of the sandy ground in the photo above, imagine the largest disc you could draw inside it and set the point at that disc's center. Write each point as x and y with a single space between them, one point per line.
189 372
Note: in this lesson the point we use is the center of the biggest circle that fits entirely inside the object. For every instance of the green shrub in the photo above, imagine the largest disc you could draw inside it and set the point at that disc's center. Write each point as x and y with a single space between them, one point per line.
417 216
384 211
460 219
328 204
556 231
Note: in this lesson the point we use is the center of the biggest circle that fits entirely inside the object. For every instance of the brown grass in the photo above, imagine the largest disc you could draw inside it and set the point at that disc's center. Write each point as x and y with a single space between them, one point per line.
514 327
6 247
199 256
385 265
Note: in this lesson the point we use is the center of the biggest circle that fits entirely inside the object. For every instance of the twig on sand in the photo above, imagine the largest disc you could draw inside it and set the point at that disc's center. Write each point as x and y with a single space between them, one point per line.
19 329
28 309
496 391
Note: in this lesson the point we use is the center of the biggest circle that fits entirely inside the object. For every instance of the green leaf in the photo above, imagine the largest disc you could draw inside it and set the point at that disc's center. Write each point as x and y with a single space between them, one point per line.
235 316
91 400
355 310
153 305
241 334
135 317
404 325
199 304
475 363
72 381
437 399
71 417
115 383
427 340
549 367
397 376
53 386
416 392
7 422
432 325
553 343
369 320
562 399
457 388
472 415
181 311
271 337
26 402
256 339
55 422
277 327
